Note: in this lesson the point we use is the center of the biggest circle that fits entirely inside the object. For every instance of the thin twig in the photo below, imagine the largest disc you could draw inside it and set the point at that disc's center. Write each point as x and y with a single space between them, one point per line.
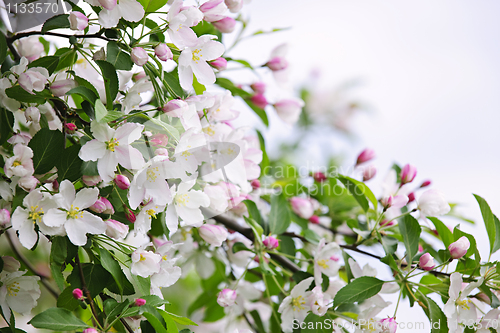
50 33
85 289
30 267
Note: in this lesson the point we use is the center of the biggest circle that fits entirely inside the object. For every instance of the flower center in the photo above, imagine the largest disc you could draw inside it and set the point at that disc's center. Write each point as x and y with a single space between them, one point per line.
74 213
152 174
197 55
142 258
151 213
464 304
322 263
111 144
164 257
16 163
298 303
35 214
13 289
209 130
182 199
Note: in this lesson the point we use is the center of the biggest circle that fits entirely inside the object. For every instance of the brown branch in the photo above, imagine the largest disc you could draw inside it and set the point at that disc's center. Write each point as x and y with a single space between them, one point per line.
31 268
122 320
85 289
247 232
49 33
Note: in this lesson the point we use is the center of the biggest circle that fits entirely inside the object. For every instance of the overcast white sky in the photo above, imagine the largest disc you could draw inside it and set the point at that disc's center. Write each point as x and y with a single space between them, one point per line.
430 72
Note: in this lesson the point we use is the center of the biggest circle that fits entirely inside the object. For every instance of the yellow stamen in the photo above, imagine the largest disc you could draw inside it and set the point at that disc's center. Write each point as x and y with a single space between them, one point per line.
197 55
322 263
35 214
464 304
182 199
298 303
151 174
74 213
13 289
111 144
142 258
16 163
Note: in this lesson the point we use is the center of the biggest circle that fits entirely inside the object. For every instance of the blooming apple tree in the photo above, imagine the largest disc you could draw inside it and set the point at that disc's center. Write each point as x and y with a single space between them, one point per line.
132 201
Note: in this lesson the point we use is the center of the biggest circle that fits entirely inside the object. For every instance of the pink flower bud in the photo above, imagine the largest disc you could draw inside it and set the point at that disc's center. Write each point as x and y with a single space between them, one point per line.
314 219
426 262
271 243
386 223
102 206
55 185
259 100
365 156
129 214
289 110
163 52
420 248
122 182
28 183
70 128
302 207
226 25
226 297
10 264
139 56
255 184
139 302
258 87
91 180
388 325
78 21
234 6
4 218
115 229
459 248
108 4
398 201
277 64
425 183
161 152
220 64
175 107
213 10
369 173
77 294
109 207
411 197
61 87
213 234
159 140
90 330
408 174
319 177
137 76
483 297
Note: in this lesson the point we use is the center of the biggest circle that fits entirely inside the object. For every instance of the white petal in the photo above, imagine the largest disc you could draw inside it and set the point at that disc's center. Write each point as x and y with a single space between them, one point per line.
102 131
190 216
92 150
203 72
109 18
128 133
66 194
185 77
86 198
27 234
107 166
55 217
129 157
77 232
131 10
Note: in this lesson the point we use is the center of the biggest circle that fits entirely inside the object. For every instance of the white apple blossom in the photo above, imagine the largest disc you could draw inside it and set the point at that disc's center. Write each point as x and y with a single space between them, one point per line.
17 292
168 273
460 309
433 203
193 60
111 147
145 263
319 301
142 223
326 260
490 320
180 19
133 98
24 219
111 13
7 102
186 204
21 164
71 214
295 307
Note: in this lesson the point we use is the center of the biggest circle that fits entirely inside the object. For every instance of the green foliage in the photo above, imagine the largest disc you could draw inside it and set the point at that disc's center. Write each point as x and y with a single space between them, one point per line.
119 59
358 290
47 146
110 81
280 216
491 222
48 62
410 231
56 22
57 319
360 192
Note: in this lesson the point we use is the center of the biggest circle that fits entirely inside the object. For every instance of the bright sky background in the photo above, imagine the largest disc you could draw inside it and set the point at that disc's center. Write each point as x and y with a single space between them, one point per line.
430 74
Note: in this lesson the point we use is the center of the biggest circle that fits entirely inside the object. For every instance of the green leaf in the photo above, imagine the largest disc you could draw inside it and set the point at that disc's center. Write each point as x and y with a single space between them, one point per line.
3 48
21 95
48 62
438 320
489 222
157 325
264 165
160 124
66 299
261 113
229 85
390 244
410 231
85 92
358 290
69 165
118 58
112 116
348 270
253 212
6 125
239 246
151 6
359 191
58 250
56 22
173 85
57 319
47 146
100 111
199 88
113 267
443 231
84 83
67 57
279 217
9 330
311 236
96 278
110 81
